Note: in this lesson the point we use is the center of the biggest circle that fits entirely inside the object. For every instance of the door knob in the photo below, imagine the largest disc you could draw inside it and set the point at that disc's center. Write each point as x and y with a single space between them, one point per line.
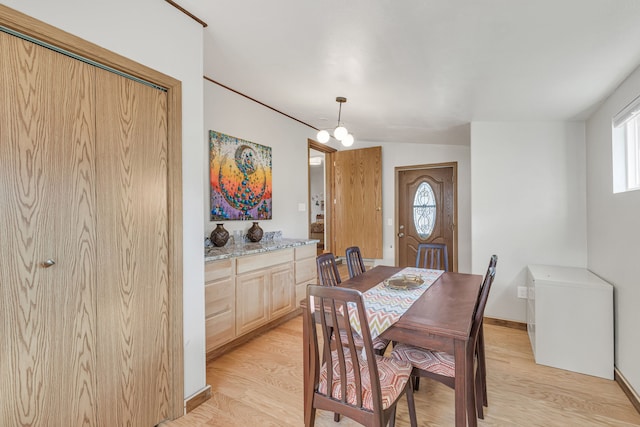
400 234
49 263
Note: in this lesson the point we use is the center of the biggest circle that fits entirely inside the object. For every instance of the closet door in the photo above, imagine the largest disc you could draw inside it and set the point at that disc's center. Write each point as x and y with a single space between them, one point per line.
132 219
48 238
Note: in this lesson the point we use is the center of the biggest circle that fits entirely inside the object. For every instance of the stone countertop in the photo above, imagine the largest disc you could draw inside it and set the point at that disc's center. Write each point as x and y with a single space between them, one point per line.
213 253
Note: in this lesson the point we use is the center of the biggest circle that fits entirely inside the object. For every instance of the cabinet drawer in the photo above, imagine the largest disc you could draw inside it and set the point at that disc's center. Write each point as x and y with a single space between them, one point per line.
256 262
219 297
214 270
306 251
306 270
220 330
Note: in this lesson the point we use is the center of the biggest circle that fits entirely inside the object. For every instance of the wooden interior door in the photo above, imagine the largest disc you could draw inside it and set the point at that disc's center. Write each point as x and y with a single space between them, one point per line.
357 201
48 324
132 213
413 213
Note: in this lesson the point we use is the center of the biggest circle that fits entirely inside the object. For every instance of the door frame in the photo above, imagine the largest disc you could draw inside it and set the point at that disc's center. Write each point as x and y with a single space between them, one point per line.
41 31
396 208
328 190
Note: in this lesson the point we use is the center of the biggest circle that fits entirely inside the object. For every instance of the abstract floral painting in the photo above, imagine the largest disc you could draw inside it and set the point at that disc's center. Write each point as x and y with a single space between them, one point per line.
240 175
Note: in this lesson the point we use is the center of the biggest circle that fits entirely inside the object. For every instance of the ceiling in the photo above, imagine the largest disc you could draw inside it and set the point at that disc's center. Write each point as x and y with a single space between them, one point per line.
421 70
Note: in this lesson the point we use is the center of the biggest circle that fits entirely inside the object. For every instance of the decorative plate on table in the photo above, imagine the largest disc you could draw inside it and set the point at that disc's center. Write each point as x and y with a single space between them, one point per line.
404 282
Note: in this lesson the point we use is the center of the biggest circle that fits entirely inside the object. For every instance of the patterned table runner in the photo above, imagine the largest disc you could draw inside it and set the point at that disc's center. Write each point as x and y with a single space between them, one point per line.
384 306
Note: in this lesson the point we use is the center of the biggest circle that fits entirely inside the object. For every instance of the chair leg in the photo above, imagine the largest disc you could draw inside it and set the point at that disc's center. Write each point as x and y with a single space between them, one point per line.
336 417
411 404
479 395
392 418
416 383
482 366
311 420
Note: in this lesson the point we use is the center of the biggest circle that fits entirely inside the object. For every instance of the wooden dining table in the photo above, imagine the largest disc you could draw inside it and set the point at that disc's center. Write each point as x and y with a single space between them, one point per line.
439 320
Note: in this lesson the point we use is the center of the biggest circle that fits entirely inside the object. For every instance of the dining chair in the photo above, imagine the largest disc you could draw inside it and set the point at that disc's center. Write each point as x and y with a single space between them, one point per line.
355 264
364 387
433 256
328 275
482 366
441 366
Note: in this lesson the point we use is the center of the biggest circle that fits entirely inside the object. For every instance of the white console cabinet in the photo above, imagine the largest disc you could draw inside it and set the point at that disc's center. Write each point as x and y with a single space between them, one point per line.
570 319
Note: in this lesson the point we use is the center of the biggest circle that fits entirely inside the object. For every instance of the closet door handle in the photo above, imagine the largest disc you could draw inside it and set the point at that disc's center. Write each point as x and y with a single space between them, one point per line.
49 263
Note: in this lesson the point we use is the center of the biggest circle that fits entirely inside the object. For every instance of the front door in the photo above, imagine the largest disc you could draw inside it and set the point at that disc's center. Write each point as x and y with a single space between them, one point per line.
426 210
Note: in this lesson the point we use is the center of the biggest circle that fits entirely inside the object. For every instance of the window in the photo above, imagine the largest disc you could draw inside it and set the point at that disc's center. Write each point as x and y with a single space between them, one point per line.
424 210
626 148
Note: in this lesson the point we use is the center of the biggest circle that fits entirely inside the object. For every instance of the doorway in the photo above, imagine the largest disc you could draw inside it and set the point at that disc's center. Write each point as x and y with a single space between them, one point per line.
426 210
317 198
320 169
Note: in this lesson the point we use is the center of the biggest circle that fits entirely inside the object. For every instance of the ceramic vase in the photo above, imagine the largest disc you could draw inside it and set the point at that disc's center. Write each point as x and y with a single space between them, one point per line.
219 235
255 233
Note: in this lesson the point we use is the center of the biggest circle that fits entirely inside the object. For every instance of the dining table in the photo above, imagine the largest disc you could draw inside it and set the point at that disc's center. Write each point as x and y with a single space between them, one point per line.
440 320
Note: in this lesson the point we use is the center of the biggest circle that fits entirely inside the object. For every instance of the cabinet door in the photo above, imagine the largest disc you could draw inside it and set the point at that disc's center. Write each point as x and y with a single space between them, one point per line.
252 308
282 291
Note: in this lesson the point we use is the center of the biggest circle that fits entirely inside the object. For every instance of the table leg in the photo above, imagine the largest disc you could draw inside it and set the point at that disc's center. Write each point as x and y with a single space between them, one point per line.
460 355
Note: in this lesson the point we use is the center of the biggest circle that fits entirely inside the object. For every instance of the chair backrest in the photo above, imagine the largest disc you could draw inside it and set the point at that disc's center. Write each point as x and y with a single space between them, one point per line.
492 264
355 264
328 274
433 256
493 261
339 362
481 304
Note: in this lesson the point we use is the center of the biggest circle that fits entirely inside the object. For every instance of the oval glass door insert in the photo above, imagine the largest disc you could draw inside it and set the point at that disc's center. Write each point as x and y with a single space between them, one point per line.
424 210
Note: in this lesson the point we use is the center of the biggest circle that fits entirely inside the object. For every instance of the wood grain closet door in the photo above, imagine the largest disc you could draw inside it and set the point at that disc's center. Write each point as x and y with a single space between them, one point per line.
357 207
47 200
132 252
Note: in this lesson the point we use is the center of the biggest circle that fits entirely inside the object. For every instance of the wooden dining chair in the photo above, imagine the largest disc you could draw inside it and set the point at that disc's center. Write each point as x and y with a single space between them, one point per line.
364 387
355 264
328 275
482 366
433 256
441 365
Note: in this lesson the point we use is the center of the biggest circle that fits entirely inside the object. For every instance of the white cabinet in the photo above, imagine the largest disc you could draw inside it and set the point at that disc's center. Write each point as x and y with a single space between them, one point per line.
570 319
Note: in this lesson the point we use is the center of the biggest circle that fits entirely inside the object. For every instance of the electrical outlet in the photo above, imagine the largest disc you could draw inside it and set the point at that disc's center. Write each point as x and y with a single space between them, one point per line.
522 292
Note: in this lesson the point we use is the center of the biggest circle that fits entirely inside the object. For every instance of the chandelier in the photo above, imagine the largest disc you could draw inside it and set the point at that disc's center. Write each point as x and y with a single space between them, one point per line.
340 132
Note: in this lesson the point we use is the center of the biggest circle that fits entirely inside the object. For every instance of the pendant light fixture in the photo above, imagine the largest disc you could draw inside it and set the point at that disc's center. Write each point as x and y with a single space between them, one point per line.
340 132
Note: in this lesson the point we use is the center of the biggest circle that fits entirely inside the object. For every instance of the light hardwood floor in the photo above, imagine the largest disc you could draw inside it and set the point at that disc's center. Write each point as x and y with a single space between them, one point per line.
260 384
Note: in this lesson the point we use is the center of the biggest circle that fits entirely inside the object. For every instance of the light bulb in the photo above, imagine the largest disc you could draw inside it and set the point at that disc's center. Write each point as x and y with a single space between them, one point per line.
347 141
340 132
323 136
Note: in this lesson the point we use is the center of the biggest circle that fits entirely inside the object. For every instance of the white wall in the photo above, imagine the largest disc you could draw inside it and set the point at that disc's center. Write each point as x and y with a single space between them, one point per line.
395 154
138 31
613 230
528 198
230 113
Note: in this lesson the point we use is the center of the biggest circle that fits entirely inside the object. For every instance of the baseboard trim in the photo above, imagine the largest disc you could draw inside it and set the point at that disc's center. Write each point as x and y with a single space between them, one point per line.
506 323
197 399
215 353
626 387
